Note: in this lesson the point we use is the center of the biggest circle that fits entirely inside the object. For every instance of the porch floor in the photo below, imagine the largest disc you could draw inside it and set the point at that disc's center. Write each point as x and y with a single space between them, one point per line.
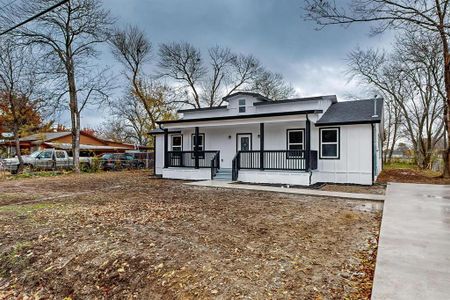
298 191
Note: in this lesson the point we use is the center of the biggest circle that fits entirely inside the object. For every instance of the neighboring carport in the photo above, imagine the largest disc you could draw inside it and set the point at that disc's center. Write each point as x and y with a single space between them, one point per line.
413 259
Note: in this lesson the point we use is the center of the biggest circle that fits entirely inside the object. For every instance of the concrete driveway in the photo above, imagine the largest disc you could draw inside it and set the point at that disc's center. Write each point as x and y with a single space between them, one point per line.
413 259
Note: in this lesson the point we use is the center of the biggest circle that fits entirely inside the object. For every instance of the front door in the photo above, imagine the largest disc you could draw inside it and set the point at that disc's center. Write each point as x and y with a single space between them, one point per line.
244 142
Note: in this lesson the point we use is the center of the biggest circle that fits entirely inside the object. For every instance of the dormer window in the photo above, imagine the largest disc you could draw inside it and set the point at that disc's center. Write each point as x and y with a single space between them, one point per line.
242 105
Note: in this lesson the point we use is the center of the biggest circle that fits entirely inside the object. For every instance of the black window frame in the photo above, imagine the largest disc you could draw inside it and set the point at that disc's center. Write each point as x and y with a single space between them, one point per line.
288 153
201 152
338 143
171 142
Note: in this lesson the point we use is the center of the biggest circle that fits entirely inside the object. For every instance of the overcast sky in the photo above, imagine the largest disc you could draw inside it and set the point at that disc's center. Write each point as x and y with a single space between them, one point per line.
272 30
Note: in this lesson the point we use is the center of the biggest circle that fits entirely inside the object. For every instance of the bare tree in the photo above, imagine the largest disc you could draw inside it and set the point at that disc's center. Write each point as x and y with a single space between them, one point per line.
432 16
392 121
18 85
412 81
67 37
272 85
133 50
205 83
133 119
182 62
115 129
221 61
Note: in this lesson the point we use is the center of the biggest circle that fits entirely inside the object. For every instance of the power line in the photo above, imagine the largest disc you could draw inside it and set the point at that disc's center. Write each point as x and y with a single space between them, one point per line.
34 17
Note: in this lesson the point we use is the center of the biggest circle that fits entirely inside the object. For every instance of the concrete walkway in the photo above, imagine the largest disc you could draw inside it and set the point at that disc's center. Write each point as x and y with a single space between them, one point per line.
308 192
413 259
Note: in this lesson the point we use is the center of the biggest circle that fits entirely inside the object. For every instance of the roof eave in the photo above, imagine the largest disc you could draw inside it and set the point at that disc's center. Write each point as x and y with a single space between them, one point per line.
319 124
265 115
201 109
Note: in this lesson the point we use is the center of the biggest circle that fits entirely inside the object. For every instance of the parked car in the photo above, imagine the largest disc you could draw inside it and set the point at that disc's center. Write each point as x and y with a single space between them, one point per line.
120 161
47 159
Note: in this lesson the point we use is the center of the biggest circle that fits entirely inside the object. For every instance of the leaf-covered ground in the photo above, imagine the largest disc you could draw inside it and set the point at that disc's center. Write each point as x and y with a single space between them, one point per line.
127 235
411 175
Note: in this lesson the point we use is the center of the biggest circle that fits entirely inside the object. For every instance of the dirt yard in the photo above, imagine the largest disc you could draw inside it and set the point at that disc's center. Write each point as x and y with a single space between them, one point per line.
127 235
377 189
411 175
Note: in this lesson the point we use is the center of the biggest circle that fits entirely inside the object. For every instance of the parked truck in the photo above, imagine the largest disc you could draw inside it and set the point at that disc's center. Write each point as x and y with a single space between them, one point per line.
47 159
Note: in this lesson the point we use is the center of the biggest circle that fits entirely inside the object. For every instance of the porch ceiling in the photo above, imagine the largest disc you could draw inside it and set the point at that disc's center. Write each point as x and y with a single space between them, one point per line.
240 120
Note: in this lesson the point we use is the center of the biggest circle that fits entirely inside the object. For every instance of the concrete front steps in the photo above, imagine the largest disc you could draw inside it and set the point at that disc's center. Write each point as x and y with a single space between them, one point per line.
223 174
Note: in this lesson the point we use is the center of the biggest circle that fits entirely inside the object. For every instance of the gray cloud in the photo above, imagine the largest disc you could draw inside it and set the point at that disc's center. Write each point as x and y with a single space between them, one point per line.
272 30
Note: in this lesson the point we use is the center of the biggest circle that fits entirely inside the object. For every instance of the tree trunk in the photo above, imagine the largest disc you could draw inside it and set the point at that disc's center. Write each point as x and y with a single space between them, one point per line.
394 140
13 107
74 115
17 144
445 153
446 173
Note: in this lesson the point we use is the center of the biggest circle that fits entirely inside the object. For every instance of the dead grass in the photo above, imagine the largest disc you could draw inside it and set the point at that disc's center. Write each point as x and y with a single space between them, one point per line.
377 189
127 235
411 175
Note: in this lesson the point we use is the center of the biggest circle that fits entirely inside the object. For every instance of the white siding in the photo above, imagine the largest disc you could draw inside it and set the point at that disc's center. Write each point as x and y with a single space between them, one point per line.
159 154
355 162
232 109
187 174
277 177
353 166
224 138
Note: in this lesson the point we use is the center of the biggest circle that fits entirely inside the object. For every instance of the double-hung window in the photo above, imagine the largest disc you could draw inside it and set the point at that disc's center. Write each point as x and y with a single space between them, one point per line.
329 143
177 143
295 143
242 105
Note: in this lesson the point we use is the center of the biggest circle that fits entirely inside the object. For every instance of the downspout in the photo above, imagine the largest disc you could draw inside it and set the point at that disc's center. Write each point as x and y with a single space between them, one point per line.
154 155
375 115
308 149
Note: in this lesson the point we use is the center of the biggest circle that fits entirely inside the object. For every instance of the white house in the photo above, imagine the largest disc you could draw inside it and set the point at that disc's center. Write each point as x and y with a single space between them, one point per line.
299 141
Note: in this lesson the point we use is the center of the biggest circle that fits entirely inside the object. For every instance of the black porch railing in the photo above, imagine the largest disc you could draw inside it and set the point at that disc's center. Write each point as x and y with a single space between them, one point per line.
186 159
215 164
290 160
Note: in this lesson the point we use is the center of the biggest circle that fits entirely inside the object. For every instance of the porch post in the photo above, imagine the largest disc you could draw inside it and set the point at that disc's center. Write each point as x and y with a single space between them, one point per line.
166 148
261 146
307 144
196 138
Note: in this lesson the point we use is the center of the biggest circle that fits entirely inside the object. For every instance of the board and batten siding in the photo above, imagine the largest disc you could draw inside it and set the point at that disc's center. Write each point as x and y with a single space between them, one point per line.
355 162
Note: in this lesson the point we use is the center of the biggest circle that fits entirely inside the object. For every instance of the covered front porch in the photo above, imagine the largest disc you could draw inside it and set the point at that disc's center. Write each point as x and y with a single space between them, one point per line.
253 150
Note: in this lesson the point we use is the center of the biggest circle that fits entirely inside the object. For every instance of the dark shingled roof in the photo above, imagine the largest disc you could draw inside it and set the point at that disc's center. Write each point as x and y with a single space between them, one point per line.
201 109
44 136
352 112
332 98
256 95
160 131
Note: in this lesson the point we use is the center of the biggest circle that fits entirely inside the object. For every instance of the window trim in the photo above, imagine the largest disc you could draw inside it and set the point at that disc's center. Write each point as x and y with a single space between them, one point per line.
171 141
338 143
237 140
288 156
244 106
